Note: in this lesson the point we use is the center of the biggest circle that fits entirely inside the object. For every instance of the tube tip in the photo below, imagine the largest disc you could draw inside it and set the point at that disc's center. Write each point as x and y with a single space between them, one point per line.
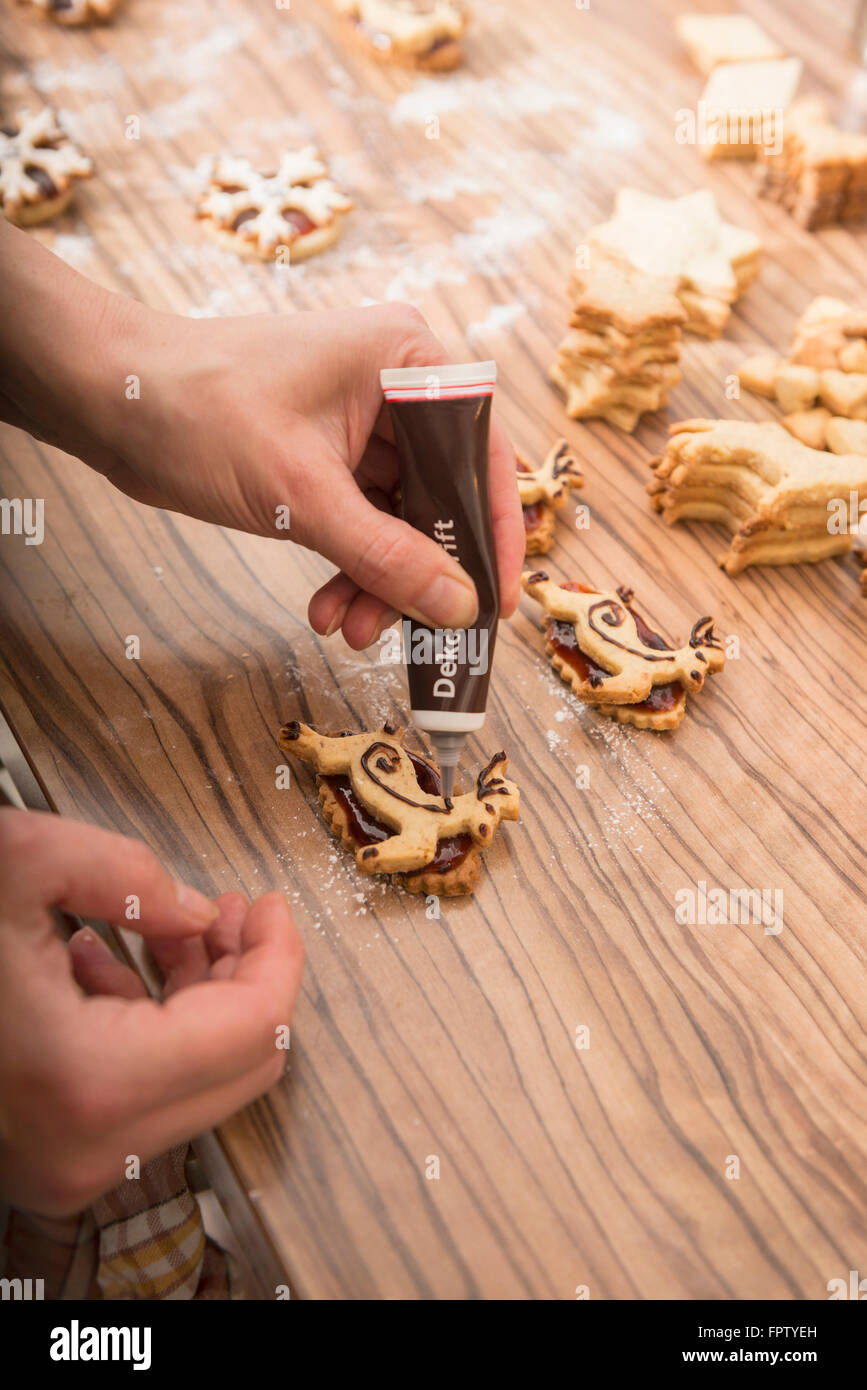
447 775
448 748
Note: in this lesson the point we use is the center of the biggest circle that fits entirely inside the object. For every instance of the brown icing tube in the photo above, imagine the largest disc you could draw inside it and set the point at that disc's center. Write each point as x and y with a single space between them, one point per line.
441 418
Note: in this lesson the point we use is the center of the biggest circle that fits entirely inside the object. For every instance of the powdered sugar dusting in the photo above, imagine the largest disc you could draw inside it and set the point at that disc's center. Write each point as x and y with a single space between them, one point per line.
499 318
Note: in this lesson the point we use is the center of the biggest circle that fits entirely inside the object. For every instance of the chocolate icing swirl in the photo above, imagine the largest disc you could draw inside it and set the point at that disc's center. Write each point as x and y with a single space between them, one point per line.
388 761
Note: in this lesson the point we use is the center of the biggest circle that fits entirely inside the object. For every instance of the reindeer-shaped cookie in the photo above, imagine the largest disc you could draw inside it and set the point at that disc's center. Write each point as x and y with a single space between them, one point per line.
543 491
624 659
383 778
552 479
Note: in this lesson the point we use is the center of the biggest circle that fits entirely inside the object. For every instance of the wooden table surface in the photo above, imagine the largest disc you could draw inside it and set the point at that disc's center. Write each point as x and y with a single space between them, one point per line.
606 1167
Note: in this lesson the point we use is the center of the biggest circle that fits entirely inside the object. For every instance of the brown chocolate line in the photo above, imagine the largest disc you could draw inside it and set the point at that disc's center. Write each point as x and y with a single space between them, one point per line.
610 604
387 764
483 786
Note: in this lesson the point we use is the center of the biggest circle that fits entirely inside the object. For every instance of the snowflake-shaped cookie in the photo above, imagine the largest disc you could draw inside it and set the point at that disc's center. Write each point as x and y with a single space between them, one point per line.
298 208
414 33
75 11
38 167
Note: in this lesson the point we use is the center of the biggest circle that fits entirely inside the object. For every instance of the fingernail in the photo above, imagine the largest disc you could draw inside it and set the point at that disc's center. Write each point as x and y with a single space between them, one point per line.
195 905
449 602
336 621
379 625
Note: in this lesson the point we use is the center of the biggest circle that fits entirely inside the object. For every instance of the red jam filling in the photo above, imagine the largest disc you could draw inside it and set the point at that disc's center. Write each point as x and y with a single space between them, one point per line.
299 220
561 635
663 698
366 830
532 516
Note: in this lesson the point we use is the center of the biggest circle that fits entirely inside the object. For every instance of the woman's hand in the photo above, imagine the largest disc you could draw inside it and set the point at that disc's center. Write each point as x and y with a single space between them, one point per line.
248 421
91 1069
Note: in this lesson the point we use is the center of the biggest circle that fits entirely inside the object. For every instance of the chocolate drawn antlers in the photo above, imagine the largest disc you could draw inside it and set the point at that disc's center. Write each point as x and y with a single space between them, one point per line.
552 479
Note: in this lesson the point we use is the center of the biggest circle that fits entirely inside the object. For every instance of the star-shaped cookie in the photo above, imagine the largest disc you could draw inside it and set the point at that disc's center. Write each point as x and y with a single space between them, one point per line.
685 238
424 34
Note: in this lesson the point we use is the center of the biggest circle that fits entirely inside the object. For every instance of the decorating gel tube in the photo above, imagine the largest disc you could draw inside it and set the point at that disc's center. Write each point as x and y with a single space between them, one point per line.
441 418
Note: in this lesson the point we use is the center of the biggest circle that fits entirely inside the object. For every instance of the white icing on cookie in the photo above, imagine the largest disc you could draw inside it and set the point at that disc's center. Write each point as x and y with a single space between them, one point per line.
37 143
413 24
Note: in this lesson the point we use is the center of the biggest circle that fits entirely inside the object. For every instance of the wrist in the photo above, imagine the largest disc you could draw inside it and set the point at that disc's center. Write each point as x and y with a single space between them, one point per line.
63 348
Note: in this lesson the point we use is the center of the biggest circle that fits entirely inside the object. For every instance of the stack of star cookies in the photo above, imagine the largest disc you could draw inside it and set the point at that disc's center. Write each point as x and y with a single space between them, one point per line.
714 39
820 173
750 84
621 354
711 261
783 502
822 384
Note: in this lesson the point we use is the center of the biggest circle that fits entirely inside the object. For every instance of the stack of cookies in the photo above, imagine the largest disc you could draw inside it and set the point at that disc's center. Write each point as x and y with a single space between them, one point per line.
745 106
822 384
685 240
712 39
621 354
750 84
820 173
783 502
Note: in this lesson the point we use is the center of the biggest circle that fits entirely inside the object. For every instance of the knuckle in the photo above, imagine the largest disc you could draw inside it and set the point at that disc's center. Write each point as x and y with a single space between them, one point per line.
383 554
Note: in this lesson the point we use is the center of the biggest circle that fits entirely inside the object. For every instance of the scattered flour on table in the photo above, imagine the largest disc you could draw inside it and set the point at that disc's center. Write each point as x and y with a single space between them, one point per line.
639 787
92 126
75 248
522 90
185 62
498 319
172 118
614 130
298 41
103 74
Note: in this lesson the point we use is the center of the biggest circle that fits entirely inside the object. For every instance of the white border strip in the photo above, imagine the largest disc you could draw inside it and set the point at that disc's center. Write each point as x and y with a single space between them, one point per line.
450 381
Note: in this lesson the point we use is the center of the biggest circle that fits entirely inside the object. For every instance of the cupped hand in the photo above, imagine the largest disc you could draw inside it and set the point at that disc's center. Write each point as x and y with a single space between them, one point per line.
92 1070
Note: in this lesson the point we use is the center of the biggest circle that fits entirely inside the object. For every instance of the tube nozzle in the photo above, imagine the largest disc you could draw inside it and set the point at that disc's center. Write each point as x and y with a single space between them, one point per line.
448 748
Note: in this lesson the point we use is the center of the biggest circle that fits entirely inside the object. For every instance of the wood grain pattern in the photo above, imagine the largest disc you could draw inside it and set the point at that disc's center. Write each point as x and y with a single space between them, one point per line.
603 1167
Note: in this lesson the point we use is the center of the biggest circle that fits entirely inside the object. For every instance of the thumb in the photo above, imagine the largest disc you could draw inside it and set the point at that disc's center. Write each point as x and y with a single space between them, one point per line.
388 558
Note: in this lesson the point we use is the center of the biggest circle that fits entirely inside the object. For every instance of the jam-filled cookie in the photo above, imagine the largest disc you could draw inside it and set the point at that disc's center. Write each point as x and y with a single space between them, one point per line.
385 805
74 11
298 208
613 659
543 491
423 34
39 166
